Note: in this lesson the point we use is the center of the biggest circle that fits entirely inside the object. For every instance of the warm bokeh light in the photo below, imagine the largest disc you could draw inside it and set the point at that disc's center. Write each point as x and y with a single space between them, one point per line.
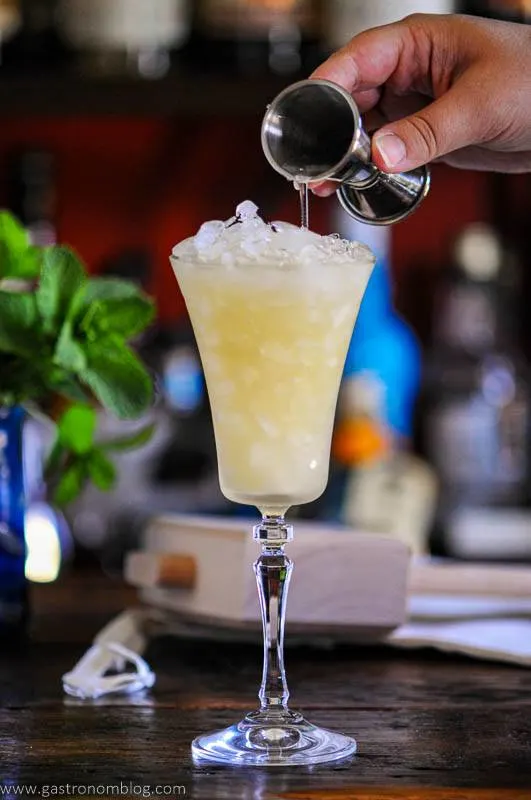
43 559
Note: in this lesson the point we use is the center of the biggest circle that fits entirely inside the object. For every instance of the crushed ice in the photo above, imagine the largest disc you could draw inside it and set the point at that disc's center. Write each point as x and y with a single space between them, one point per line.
208 233
245 238
246 210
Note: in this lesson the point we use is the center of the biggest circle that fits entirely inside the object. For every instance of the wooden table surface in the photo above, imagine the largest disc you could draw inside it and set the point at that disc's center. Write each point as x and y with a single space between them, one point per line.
428 726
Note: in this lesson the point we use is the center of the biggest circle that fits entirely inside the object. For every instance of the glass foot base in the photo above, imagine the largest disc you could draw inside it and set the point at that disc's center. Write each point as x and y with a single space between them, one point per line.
265 739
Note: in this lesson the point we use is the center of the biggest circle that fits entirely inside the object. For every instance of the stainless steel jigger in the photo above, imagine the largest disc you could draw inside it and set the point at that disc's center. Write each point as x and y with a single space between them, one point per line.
312 131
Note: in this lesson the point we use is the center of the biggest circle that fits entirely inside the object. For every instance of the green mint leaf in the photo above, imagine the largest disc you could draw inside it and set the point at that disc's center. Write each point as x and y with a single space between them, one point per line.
19 333
97 289
124 316
18 259
71 483
75 429
77 305
61 278
101 470
110 289
68 353
100 289
67 386
13 235
117 378
30 263
134 440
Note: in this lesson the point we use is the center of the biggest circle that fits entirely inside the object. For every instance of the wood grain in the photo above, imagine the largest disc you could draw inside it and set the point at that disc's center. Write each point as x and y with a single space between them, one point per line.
429 727
419 793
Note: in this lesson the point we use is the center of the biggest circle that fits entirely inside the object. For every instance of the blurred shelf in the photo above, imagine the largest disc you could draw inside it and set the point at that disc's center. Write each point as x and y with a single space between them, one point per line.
178 94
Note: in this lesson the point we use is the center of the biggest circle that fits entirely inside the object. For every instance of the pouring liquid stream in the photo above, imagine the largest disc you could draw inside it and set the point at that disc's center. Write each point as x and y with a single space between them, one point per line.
302 188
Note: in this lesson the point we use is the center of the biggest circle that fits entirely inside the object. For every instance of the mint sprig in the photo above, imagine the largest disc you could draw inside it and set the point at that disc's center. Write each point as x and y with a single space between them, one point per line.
62 276
18 258
19 334
66 335
77 457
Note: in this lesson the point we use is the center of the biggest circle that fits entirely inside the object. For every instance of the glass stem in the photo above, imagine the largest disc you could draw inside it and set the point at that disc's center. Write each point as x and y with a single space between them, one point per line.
273 571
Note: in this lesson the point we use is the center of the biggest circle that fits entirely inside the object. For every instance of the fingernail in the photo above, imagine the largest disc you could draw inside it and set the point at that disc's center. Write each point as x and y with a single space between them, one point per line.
322 191
391 148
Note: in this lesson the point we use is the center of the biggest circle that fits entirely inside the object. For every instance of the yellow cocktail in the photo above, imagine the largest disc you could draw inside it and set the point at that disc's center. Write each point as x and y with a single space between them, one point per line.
273 336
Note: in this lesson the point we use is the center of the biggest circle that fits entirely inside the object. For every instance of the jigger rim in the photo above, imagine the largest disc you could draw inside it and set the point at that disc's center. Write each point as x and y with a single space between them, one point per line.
271 111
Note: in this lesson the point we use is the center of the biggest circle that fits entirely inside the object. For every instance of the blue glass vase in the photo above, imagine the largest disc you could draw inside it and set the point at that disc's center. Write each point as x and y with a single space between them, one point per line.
13 588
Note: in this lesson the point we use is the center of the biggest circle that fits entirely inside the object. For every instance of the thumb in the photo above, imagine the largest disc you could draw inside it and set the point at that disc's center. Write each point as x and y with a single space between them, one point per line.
453 121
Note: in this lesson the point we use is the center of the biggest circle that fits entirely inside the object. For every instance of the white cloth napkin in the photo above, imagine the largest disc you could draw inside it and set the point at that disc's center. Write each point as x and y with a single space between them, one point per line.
483 611
490 639
113 664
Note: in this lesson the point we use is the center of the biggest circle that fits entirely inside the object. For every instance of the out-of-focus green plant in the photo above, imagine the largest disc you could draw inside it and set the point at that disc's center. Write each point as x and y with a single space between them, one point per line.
64 347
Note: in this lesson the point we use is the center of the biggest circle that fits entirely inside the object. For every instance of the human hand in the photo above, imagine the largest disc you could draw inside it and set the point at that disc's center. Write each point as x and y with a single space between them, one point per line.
452 88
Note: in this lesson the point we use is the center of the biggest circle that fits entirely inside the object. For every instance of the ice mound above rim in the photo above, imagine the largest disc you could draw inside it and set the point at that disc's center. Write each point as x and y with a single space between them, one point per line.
246 239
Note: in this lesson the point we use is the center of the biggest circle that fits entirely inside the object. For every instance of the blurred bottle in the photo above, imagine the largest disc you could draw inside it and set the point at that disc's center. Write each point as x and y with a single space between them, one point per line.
31 196
476 395
387 490
132 36
10 21
37 44
257 36
510 10
376 484
13 589
31 192
383 346
190 456
346 18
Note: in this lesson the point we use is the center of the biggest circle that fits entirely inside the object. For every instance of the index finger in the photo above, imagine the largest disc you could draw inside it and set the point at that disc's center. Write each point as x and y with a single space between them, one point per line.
368 60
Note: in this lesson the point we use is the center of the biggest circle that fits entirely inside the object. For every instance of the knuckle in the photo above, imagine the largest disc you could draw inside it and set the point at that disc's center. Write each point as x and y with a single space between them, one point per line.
417 18
425 137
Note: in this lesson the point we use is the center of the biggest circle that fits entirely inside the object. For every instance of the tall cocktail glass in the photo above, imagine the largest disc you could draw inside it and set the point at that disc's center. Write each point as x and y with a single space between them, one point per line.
273 309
